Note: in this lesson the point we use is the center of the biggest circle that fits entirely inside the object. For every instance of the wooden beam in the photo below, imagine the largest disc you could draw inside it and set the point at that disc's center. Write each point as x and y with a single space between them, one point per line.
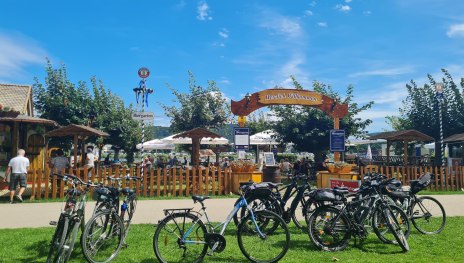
406 153
336 121
75 150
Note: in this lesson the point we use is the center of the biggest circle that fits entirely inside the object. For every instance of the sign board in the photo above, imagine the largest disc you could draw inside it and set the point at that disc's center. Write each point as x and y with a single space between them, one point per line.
351 184
143 116
144 72
242 138
290 96
337 140
269 159
241 154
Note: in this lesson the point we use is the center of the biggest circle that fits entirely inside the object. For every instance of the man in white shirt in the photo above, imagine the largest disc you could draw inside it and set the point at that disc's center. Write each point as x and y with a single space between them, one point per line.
17 169
90 161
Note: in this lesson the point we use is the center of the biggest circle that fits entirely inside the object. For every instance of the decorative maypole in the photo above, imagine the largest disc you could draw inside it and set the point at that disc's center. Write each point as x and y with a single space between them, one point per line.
141 96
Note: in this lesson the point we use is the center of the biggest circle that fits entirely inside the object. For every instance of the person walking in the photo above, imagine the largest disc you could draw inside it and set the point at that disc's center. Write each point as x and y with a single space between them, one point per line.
17 169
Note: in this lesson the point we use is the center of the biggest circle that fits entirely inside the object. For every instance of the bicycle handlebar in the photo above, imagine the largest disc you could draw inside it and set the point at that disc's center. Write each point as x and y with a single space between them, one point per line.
75 179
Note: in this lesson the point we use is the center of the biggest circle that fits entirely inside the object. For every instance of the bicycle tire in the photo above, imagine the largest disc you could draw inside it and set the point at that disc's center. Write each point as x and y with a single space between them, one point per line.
56 240
257 203
381 229
69 242
168 232
105 220
436 221
127 217
395 229
249 242
325 236
295 220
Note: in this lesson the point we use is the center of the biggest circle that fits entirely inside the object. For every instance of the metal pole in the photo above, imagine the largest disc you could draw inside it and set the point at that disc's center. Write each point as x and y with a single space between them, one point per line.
143 122
439 90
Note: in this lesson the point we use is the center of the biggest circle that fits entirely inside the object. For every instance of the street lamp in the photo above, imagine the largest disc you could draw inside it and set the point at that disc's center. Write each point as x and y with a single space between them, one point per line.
439 94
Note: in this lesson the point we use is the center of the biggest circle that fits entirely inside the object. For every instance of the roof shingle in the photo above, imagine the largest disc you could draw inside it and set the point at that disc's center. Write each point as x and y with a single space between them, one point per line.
15 97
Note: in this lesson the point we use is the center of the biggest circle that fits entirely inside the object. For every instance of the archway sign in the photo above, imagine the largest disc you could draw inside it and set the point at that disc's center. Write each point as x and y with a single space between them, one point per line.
308 98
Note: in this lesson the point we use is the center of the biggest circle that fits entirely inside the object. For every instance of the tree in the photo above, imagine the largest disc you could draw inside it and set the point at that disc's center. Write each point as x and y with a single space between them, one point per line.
420 108
308 128
201 107
258 123
62 101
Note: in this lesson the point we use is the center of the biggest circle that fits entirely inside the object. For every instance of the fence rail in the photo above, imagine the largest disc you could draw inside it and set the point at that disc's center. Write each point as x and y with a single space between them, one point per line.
448 179
176 181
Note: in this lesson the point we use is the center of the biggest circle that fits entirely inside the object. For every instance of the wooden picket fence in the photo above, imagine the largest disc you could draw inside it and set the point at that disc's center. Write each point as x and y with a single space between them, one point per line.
176 181
448 179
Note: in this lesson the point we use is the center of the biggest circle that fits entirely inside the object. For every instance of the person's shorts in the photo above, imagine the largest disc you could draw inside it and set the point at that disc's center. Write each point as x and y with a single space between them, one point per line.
16 179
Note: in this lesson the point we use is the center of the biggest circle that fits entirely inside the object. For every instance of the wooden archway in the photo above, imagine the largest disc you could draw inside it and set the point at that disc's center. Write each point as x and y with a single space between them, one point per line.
308 98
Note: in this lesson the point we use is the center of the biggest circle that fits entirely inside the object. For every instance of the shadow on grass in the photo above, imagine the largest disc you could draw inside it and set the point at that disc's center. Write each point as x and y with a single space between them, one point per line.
36 252
379 247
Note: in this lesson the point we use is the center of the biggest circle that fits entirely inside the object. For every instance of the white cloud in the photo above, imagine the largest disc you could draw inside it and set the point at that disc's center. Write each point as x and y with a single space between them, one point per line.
343 8
224 33
203 11
367 13
18 52
456 30
322 24
384 72
348 1
224 81
282 25
313 3
308 13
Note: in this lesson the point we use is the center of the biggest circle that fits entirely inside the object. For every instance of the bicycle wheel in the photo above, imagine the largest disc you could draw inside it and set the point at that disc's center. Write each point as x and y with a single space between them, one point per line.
428 215
102 237
68 245
395 229
58 238
126 217
170 244
329 229
257 204
272 245
301 207
381 229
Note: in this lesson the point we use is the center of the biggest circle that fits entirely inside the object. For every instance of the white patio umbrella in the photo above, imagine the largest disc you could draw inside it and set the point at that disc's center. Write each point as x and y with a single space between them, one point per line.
369 152
264 138
155 144
206 140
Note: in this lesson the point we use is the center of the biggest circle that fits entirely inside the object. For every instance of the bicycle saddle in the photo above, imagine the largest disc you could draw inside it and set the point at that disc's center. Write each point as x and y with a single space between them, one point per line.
200 198
127 190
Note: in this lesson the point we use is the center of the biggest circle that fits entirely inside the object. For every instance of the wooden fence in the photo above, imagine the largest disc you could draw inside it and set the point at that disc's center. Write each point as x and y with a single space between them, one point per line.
176 181
448 179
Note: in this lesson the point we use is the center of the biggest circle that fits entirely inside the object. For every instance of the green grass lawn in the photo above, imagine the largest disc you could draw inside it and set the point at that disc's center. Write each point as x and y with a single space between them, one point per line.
31 245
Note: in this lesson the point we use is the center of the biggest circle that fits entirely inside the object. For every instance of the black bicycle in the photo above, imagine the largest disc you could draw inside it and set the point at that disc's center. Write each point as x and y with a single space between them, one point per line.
104 235
267 196
71 218
331 227
425 212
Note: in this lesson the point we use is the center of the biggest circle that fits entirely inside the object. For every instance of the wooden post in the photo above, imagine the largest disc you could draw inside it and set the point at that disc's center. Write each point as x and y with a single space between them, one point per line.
152 181
336 121
388 152
75 150
181 182
406 153
158 181
187 182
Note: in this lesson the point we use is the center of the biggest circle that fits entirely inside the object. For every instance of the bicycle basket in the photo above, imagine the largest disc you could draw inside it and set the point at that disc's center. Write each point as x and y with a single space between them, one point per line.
258 190
423 182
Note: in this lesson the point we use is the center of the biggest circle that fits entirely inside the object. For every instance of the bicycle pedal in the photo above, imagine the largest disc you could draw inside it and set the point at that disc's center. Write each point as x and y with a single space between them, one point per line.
53 223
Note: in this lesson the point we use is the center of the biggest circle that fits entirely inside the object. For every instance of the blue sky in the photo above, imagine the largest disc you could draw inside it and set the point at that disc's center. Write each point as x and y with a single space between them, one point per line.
245 46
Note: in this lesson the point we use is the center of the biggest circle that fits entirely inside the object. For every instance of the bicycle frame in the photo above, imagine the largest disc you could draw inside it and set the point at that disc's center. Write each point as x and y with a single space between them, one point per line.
241 204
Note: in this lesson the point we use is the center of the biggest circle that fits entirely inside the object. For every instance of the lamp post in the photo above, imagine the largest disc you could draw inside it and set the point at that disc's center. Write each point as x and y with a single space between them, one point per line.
439 94
142 92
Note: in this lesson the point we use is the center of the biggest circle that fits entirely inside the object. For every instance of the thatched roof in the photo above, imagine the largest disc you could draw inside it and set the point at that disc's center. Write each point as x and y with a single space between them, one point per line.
198 133
74 129
28 119
454 138
406 135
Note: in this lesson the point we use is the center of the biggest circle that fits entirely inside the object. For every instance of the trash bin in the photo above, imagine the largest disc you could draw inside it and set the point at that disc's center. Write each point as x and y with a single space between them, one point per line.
271 174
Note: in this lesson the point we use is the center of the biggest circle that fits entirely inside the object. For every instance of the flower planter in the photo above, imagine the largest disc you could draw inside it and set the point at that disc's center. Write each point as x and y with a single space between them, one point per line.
244 177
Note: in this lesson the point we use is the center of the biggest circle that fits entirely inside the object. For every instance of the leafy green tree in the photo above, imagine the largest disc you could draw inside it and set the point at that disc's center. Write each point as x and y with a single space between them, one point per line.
200 107
258 123
308 128
60 100
420 108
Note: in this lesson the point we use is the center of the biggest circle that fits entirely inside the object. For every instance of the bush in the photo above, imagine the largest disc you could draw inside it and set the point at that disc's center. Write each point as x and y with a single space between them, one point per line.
290 156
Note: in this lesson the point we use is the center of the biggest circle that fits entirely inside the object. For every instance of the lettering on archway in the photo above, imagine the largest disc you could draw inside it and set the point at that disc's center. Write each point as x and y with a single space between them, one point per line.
309 98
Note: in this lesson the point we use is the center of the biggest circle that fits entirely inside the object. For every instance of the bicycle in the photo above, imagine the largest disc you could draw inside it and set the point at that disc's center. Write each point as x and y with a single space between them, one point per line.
425 212
262 236
330 228
105 233
71 218
267 196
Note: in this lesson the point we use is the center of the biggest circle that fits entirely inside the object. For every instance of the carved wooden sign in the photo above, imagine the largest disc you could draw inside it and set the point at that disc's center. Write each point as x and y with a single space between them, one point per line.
289 97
